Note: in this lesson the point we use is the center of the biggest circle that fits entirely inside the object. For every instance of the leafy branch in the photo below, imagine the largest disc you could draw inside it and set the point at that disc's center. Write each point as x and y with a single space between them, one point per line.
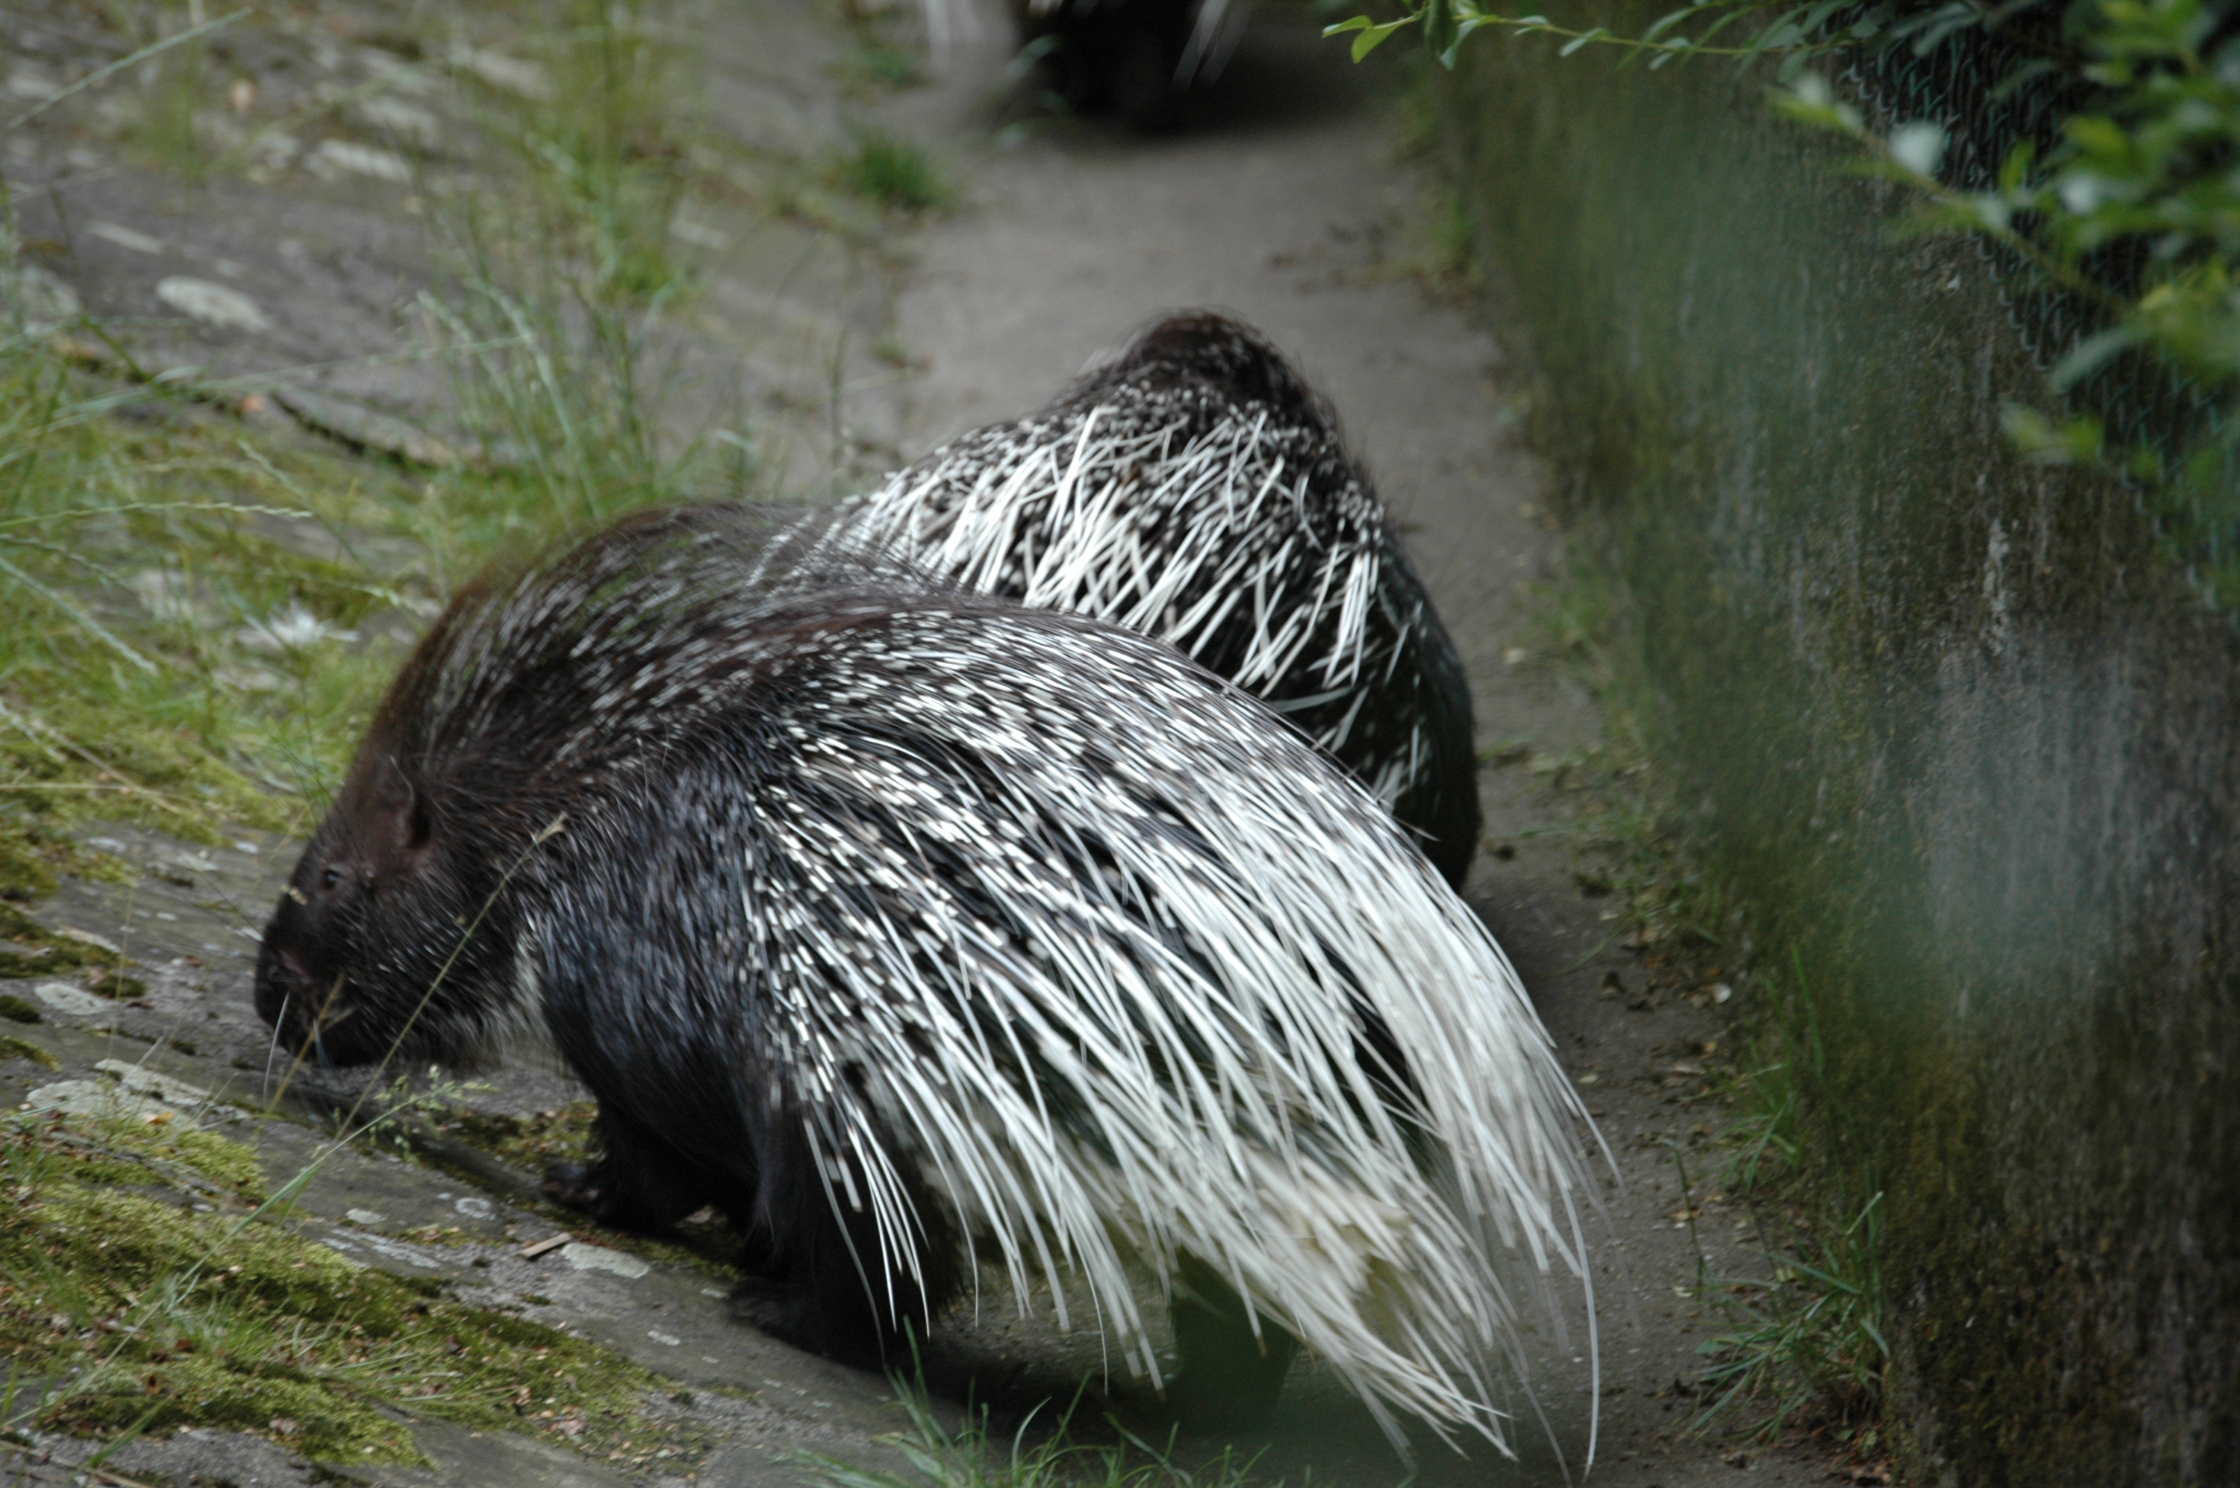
2133 212
1793 32
2145 176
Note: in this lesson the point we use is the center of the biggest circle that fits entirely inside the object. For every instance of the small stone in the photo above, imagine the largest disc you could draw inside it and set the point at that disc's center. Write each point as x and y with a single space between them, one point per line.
64 998
501 71
275 151
290 629
407 121
141 1080
475 1208
584 1257
658 1336
99 1098
212 304
364 1216
87 937
31 82
342 158
248 679
127 237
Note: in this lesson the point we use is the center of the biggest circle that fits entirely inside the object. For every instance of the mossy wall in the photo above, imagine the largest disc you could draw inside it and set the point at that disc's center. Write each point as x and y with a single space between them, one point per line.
1961 738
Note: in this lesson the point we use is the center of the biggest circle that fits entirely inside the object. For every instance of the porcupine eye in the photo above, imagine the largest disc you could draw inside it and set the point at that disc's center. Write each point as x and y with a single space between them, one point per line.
330 879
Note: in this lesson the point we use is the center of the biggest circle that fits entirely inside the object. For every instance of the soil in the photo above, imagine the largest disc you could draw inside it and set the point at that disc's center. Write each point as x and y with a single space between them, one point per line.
1282 199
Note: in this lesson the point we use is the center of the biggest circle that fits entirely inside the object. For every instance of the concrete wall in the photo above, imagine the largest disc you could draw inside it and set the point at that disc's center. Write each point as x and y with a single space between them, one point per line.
1962 734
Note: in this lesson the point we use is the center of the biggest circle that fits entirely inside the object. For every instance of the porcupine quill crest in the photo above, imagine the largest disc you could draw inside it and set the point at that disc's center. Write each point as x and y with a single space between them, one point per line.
916 930
1195 489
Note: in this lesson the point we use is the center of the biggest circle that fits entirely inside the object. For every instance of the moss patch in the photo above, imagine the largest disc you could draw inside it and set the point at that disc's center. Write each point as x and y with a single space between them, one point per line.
530 1143
137 1273
12 1047
704 1241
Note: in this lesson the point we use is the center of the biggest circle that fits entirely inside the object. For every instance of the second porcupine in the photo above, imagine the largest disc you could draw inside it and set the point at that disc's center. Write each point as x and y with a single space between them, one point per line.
907 926
1141 57
1194 488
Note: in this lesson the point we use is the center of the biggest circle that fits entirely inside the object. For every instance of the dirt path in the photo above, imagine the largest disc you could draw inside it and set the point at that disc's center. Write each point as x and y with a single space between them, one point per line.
1285 203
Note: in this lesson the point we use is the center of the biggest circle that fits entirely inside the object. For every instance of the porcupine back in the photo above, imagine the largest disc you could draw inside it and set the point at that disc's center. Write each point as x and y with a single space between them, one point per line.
1197 490
997 926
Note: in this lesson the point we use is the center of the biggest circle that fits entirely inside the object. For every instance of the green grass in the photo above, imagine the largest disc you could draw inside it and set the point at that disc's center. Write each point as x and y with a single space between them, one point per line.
603 151
1806 1345
198 615
144 1315
166 133
893 173
973 1455
178 612
1763 1134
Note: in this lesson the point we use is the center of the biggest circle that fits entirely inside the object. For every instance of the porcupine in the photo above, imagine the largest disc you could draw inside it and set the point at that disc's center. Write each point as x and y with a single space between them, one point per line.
912 928
1196 489
1140 57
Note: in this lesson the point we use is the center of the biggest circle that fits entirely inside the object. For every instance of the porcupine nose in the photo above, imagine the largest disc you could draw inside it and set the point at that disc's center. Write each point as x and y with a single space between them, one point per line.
281 978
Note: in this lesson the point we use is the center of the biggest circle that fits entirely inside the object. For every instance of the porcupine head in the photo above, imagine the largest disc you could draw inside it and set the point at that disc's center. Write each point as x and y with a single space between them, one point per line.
393 933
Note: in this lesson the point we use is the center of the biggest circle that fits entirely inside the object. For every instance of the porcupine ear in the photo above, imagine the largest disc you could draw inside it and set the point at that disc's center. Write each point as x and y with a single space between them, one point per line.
401 807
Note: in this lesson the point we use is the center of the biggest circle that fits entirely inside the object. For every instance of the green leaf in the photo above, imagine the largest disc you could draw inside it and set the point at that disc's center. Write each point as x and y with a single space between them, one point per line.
1668 20
1372 34
1438 30
2041 441
2090 354
2014 171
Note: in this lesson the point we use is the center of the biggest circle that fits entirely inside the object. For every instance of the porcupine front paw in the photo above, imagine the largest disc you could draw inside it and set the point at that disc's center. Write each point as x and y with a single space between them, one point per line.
795 1314
618 1195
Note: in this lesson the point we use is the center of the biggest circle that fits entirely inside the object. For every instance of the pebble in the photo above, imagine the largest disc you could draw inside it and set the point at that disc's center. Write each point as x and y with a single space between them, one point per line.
212 304
584 1257
76 1001
126 237
141 1080
407 121
341 157
501 71
85 1098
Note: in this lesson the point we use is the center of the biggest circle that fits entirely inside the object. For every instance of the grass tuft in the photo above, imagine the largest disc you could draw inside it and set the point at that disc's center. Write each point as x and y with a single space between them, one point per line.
601 149
973 1456
893 173
1808 1344
135 1286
